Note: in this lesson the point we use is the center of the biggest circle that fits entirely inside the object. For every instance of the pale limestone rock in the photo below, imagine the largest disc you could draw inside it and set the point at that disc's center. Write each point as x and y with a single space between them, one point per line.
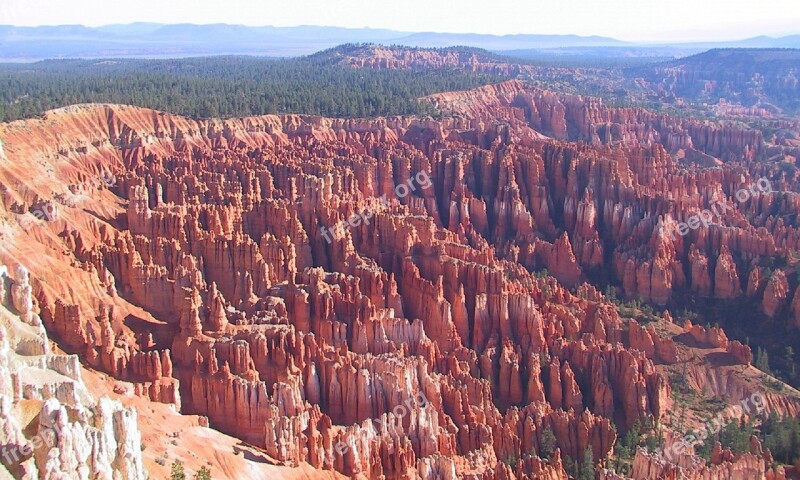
3 281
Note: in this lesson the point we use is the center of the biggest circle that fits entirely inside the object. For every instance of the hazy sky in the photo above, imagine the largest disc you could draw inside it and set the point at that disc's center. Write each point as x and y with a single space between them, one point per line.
663 20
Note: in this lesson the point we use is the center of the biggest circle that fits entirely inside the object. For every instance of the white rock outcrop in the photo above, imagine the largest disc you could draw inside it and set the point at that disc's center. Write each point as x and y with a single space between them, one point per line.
77 437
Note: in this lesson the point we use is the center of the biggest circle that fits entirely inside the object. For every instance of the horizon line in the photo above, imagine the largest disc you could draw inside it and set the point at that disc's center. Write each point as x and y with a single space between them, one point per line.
408 32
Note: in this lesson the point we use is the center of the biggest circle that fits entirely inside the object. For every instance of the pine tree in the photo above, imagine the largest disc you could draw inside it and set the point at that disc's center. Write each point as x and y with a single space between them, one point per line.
548 445
587 465
176 472
203 474
762 360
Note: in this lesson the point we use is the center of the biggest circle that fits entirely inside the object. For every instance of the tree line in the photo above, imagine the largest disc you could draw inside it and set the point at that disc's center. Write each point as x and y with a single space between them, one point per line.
227 86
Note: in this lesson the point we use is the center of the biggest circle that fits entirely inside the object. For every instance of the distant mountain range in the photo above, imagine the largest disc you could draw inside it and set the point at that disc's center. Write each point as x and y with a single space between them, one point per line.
152 40
766 78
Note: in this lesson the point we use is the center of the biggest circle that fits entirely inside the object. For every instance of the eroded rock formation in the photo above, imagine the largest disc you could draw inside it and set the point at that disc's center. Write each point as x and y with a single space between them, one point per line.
50 427
420 337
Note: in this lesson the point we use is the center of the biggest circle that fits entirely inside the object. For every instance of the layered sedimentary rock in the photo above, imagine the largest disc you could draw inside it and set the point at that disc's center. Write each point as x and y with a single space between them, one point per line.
367 296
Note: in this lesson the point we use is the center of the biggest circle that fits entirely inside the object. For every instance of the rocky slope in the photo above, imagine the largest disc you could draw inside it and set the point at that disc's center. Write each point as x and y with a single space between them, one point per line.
753 84
205 264
379 57
50 426
761 78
